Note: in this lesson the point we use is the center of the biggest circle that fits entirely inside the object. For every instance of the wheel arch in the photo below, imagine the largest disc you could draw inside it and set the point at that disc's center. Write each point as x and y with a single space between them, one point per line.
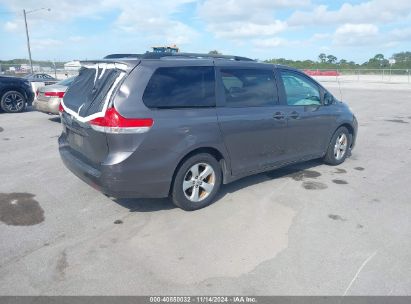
216 153
350 129
13 88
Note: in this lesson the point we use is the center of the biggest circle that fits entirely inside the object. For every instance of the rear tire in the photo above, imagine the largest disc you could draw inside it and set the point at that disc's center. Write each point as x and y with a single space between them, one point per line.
196 182
339 147
13 102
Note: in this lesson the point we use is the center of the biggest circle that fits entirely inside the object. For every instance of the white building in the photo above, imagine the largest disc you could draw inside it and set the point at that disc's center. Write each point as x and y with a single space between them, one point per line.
72 65
26 68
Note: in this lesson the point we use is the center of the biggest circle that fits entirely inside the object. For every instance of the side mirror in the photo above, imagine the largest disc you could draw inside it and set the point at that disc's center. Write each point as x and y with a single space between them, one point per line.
328 99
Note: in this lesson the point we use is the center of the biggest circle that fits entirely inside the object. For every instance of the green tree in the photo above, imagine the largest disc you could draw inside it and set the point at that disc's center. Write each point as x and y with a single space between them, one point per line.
322 57
331 59
379 57
378 61
402 57
214 52
402 60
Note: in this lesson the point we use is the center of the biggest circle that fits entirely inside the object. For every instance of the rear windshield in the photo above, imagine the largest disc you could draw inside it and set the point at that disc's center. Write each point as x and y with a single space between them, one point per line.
181 87
86 95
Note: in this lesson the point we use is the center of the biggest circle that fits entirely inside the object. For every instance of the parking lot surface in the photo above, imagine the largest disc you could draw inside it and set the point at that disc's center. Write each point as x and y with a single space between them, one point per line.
309 229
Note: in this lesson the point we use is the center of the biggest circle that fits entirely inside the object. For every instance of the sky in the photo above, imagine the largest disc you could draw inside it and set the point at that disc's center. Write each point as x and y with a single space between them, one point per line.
259 29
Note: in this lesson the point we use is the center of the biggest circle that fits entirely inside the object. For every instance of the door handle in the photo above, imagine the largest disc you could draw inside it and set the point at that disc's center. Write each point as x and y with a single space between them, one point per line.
294 115
279 115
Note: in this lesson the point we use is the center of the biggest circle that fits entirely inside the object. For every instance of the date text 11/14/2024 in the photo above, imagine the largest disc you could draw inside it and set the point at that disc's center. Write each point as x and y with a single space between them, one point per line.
203 299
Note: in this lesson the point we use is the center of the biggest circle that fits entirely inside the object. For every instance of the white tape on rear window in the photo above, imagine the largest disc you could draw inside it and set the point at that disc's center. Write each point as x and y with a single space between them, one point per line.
105 66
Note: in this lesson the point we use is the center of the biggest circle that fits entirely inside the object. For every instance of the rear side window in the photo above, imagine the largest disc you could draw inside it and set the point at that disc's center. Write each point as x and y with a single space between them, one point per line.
181 87
249 87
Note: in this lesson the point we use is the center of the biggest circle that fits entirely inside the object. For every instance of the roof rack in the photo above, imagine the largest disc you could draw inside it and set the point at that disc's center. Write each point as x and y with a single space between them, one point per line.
154 55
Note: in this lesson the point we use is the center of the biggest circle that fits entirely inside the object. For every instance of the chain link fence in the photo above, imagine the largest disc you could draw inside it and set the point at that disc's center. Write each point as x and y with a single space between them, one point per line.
61 71
362 75
56 70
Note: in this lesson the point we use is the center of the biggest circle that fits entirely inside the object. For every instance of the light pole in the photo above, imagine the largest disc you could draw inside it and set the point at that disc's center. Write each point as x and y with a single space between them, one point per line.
27 32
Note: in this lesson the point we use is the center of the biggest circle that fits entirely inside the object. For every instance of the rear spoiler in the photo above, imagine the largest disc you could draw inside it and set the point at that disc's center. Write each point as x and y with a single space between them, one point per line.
123 65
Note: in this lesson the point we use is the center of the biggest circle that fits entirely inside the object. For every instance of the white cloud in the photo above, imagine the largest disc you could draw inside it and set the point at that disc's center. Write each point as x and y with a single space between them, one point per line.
373 11
239 19
153 20
401 34
245 10
325 48
143 18
42 44
270 42
179 34
320 36
10 26
59 10
356 34
241 30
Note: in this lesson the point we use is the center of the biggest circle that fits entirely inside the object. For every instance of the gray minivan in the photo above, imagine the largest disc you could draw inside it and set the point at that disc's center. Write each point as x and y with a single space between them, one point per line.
180 124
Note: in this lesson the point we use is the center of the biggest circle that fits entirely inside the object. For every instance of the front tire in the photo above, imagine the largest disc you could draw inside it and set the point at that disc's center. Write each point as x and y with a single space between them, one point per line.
338 148
13 102
196 182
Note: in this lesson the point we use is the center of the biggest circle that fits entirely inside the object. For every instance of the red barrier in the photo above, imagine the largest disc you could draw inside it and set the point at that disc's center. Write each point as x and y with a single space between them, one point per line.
321 73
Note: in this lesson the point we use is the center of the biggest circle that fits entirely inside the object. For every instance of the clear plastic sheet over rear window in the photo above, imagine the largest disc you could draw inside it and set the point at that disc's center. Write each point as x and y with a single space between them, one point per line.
87 93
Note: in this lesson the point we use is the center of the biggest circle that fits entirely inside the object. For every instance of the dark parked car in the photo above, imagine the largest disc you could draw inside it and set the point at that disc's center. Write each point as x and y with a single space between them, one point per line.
181 125
41 77
15 94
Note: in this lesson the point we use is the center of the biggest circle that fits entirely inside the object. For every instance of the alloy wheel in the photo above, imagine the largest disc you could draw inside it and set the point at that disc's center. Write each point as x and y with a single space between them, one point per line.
199 182
341 145
13 102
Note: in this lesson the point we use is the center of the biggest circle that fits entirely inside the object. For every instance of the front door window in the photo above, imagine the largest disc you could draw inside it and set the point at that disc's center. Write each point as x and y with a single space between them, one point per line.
299 90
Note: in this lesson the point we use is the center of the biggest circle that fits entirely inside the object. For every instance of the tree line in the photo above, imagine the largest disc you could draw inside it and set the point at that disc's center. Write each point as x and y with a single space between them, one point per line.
400 60
42 63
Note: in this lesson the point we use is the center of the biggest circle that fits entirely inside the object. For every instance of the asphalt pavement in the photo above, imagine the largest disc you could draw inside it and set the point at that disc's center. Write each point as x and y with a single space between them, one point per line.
309 229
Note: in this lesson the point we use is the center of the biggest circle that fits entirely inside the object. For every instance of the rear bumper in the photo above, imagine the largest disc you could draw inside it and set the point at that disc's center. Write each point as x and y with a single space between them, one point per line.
110 180
51 106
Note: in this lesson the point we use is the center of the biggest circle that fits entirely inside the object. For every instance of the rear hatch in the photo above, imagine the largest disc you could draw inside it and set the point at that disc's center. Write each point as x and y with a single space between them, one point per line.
87 99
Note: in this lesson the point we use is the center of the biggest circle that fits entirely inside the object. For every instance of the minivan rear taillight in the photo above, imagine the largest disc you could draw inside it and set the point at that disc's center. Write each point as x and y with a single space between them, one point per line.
61 109
54 94
113 122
